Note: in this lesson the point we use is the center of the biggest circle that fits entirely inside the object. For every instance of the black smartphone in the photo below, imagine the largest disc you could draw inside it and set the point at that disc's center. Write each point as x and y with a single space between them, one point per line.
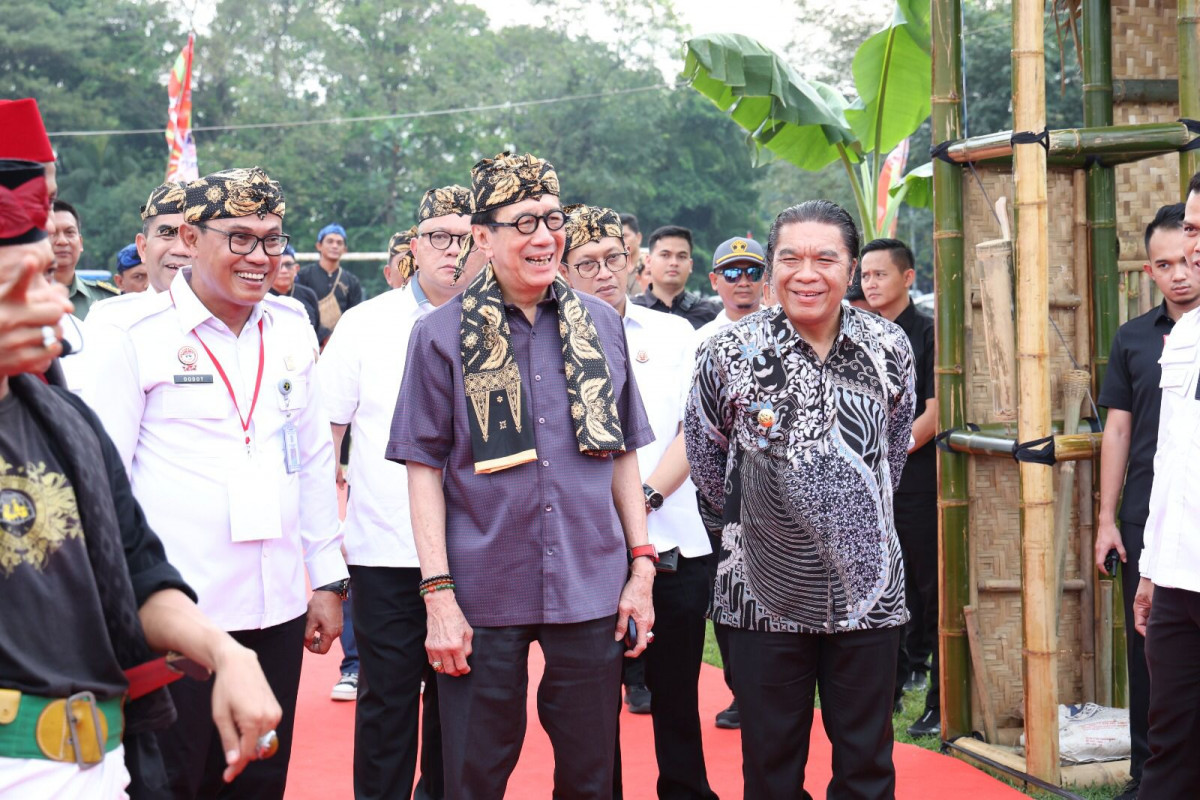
1111 560
668 560
631 635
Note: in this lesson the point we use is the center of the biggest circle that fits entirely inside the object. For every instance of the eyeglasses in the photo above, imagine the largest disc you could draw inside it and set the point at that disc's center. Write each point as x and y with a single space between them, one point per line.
441 239
734 274
243 244
528 223
613 262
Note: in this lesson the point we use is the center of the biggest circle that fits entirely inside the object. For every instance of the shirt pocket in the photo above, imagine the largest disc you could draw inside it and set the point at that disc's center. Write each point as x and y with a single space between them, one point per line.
292 392
1176 378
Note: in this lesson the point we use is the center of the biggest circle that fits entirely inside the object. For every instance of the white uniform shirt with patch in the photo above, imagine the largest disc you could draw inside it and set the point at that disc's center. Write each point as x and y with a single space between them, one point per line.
238 526
662 347
361 369
1171 552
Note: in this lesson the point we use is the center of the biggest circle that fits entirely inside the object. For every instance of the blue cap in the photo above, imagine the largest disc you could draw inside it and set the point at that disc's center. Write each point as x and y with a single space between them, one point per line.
739 248
289 251
127 257
331 228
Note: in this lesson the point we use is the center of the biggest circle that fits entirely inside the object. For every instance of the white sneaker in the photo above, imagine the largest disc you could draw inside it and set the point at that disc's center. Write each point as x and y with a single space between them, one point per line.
346 688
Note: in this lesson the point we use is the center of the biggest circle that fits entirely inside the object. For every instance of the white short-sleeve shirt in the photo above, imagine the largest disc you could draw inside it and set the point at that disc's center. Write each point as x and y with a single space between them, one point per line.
662 347
1171 552
361 369
166 407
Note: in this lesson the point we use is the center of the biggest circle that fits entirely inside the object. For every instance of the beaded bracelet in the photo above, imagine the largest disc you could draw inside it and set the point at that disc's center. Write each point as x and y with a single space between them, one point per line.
437 587
432 579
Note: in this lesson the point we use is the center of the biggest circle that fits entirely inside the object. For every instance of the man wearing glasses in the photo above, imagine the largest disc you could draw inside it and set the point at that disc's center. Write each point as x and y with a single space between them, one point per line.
210 395
595 262
517 417
736 277
360 369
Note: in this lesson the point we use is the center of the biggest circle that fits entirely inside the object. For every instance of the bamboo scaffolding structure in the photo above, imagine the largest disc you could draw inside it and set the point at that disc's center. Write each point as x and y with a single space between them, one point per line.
1104 643
1096 24
1086 527
1067 447
1033 416
979 673
1189 82
953 564
1074 389
1110 145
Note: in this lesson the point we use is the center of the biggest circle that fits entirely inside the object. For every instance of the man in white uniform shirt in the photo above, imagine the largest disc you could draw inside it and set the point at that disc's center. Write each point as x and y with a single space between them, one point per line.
361 370
737 278
211 398
1167 604
594 261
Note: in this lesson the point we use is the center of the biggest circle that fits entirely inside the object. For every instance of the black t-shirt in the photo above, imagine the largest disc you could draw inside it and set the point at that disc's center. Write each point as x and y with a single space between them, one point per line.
920 471
53 640
342 282
689 305
1131 384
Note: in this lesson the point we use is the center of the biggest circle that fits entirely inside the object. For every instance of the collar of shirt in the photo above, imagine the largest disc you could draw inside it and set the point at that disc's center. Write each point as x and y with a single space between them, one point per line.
419 294
192 313
788 338
1163 317
908 316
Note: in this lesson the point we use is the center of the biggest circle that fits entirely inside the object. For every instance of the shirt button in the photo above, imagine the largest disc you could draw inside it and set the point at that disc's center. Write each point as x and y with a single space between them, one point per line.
537 377
541 420
550 551
545 463
549 508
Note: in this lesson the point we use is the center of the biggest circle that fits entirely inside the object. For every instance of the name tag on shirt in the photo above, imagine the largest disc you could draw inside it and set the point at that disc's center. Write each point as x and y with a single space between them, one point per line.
291 448
254 512
193 378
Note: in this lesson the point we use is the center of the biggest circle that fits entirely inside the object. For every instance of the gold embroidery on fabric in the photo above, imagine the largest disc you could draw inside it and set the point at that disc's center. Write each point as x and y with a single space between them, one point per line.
37 514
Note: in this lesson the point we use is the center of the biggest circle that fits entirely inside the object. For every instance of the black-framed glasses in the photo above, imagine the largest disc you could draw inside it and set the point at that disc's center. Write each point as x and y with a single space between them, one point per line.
528 223
734 274
441 239
613 262
243 244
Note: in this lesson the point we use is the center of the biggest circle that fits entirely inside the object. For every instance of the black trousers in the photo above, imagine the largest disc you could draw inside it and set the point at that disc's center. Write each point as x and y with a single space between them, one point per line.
483 712
775 675
1135 652
1173 655
192 747
917 529
673 675
389 622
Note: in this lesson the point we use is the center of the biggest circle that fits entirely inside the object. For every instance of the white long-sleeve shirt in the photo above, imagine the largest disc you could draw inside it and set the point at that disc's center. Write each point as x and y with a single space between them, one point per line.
234 521
1171 552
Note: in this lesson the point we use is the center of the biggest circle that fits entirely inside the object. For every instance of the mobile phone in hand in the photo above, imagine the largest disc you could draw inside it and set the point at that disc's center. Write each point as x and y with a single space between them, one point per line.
1111 560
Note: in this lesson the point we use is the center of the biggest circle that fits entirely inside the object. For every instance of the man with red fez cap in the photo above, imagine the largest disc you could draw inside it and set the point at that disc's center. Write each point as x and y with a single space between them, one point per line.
78 723
25 138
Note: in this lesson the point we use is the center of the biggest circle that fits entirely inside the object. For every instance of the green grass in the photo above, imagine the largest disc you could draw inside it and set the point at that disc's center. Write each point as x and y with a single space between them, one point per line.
914 705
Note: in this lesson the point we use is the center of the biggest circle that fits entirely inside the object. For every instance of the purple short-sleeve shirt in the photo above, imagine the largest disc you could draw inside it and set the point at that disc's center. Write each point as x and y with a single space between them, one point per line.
541 542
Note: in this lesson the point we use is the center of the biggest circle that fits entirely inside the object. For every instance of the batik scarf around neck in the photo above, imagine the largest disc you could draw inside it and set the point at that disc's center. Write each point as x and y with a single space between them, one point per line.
501 430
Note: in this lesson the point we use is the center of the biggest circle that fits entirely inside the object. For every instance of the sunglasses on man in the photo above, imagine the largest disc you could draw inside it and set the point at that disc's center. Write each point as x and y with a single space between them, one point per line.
734 274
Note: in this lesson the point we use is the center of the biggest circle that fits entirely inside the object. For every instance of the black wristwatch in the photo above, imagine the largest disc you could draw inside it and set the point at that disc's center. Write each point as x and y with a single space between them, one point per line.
340 588
654 498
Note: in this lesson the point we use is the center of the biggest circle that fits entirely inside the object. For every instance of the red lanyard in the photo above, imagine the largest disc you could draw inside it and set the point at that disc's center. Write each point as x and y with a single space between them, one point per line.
257 381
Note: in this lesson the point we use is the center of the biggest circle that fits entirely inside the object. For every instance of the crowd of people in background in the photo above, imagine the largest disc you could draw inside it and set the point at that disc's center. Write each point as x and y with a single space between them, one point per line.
554 441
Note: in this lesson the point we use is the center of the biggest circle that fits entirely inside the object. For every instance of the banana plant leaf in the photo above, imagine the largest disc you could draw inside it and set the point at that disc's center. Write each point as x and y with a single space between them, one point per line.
916 187
892 72
803 122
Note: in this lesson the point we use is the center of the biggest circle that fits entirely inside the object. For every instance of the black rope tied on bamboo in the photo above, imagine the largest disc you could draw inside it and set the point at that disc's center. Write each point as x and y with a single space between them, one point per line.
942 440
1036 451
1030 137
942 152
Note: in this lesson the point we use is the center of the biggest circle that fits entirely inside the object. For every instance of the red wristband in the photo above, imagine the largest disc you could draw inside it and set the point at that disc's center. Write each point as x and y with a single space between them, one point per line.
647 550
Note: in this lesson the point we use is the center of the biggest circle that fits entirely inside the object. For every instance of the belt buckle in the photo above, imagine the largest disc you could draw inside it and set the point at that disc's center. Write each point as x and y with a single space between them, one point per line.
59 727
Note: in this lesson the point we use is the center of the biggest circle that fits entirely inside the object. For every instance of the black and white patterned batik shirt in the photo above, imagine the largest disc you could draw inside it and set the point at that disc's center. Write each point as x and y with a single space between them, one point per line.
796 460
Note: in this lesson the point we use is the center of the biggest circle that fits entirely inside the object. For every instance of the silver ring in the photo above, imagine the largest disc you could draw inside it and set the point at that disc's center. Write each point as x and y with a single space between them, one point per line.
649 637
49 337
437 666
268 744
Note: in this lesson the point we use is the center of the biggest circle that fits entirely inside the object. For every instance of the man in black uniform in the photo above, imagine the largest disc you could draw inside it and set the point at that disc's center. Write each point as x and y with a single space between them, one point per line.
86 588
669 262
887 274
1132 396
337 290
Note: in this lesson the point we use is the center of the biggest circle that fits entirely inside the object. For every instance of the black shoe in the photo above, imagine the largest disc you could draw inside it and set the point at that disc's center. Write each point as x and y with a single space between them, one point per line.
1129 791
898 706
930 724
730 719
637 697
917 681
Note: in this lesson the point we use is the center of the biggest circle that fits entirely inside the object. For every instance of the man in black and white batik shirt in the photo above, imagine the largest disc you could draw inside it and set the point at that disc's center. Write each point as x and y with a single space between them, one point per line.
797 432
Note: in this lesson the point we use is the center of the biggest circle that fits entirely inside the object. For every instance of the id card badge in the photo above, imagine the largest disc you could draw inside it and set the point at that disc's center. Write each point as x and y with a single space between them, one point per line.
254 512
291 448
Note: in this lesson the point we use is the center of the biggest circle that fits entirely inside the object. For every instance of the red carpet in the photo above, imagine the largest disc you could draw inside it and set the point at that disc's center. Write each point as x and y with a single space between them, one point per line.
322 753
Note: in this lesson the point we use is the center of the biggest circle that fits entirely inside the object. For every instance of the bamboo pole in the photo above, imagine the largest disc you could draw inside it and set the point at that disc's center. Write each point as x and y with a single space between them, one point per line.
1074 146
1104 643
1096 22
1033 416
1086 528
1074 389
1189 82
979 671
953 563
1067 447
